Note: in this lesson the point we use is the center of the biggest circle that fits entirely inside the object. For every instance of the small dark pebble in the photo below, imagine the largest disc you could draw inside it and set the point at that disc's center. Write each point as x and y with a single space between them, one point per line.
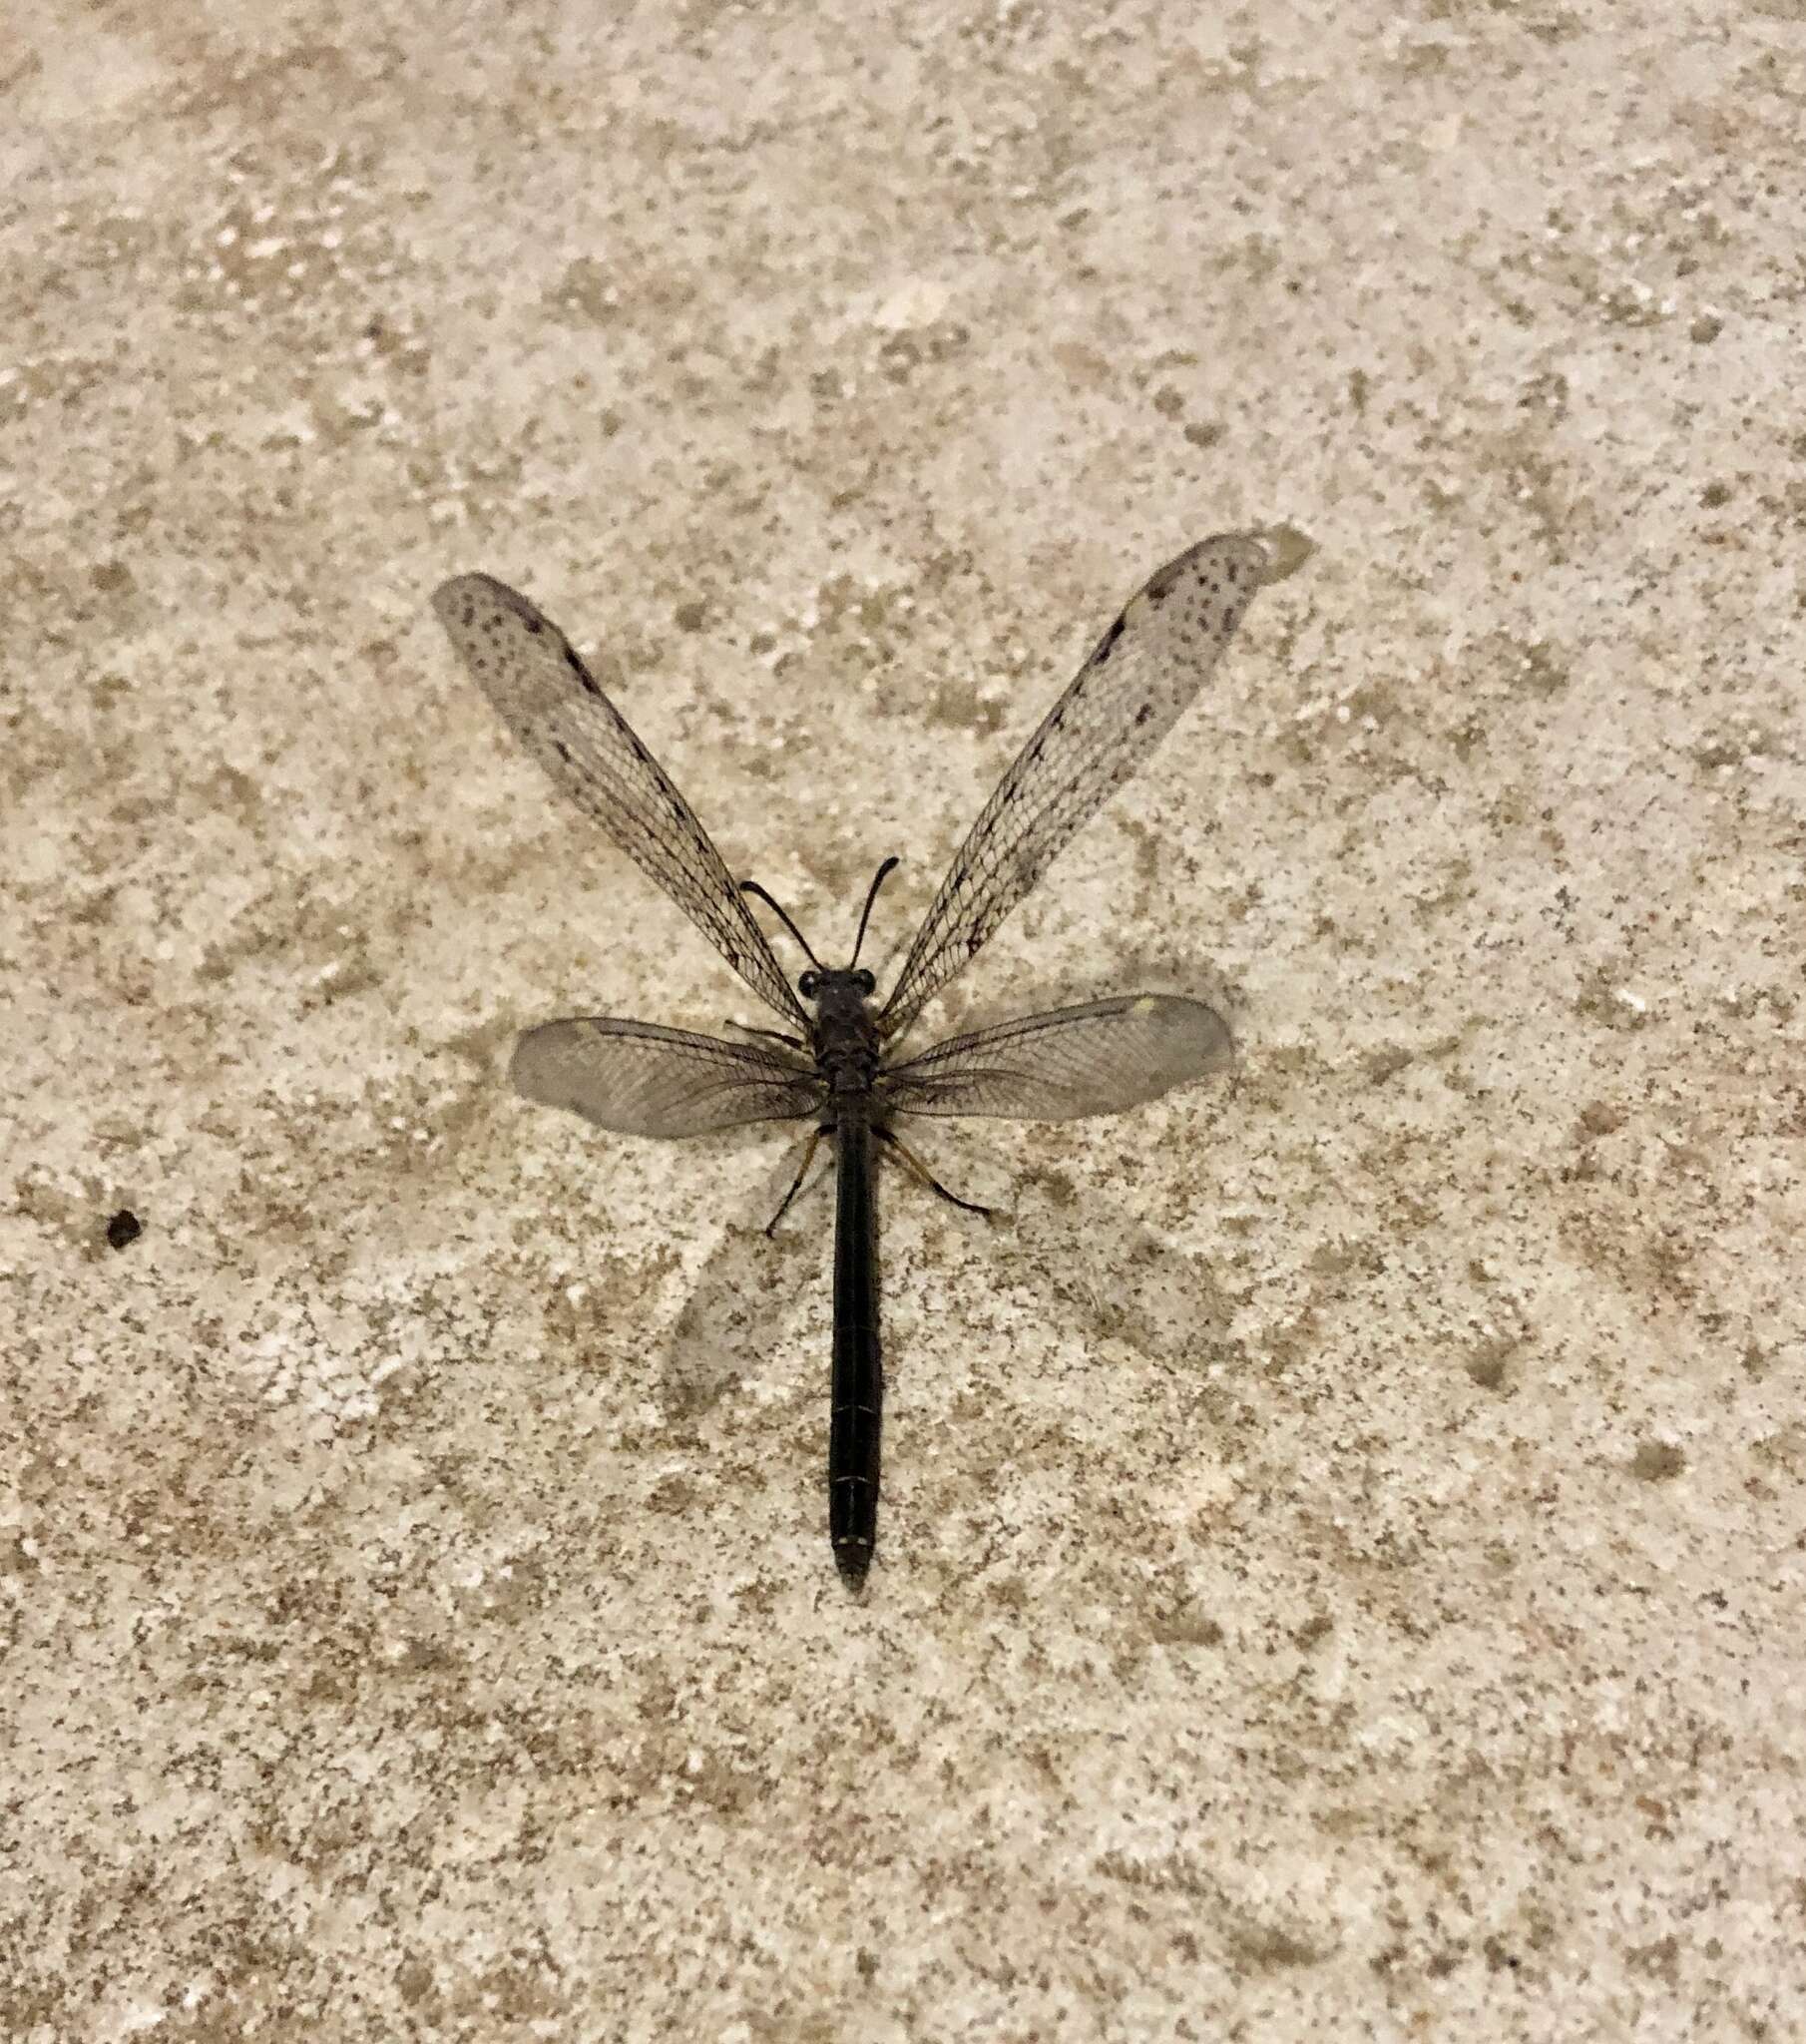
124 1227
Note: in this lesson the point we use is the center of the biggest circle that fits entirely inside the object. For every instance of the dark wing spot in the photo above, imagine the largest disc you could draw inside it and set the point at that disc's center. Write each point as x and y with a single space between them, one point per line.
585 680
124 1228
561 750
1144 713
1108 643
534 625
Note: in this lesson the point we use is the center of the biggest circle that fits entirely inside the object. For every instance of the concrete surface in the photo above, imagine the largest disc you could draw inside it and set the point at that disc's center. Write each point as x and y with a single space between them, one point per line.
1341 1569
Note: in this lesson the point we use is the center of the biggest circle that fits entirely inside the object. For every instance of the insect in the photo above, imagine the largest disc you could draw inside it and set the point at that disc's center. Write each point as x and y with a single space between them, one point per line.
835 1063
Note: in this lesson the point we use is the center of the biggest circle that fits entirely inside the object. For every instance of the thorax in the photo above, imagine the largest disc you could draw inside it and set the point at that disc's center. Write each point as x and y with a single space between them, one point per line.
844 1034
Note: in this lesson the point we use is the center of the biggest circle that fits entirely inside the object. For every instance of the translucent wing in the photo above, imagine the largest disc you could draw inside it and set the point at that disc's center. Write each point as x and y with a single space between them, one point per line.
640 1080
556 708
1101 1058
1125 698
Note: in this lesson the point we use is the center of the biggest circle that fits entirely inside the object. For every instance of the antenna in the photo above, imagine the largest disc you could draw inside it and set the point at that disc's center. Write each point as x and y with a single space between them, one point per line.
878 880
753 887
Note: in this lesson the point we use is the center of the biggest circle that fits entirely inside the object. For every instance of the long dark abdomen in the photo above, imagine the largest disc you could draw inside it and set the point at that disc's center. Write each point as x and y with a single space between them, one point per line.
857 1394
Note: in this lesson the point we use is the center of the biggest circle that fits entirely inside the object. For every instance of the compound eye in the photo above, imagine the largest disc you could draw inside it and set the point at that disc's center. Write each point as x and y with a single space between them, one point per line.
807 985
865 982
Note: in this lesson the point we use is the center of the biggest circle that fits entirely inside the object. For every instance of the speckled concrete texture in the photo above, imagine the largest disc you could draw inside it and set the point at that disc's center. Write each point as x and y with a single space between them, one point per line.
1342 1560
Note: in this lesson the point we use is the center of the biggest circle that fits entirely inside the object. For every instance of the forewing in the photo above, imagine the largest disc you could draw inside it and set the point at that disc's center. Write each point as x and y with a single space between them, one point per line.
1101 1058
640 1080
558 710
1118 706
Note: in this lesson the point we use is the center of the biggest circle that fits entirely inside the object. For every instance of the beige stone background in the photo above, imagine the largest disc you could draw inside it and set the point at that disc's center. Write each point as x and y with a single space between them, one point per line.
1341 1567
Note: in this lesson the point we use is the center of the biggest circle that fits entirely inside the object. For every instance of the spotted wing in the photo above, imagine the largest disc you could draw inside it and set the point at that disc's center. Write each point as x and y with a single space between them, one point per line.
556 709
1101 1058
1125 698
640 1080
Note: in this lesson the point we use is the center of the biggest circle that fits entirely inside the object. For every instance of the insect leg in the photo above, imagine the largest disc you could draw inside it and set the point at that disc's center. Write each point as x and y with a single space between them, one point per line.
777 1035
927 1176
802 1171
